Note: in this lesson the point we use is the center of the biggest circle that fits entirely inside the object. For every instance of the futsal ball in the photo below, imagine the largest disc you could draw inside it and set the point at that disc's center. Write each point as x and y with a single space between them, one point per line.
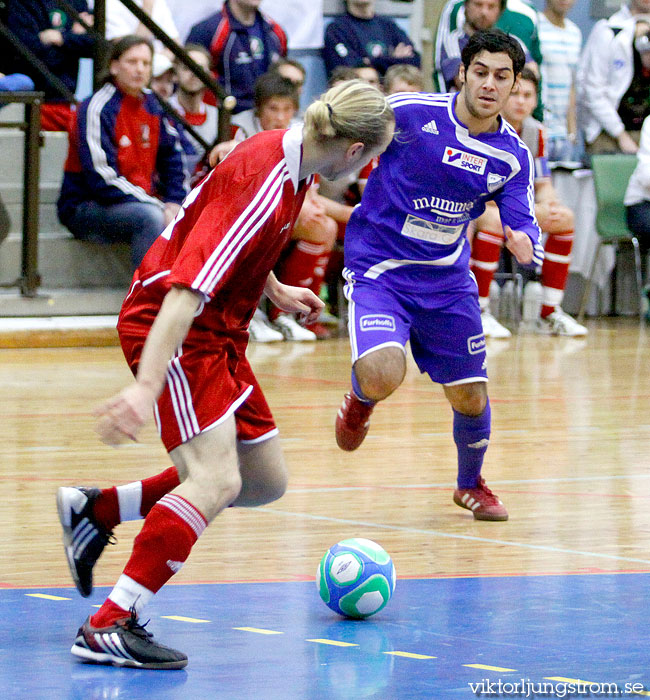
356 578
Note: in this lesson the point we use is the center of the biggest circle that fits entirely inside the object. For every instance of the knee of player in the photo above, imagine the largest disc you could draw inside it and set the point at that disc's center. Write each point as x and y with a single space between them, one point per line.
219 489
330 232
489 220
381 384
468 399
276 486
567 218
151 217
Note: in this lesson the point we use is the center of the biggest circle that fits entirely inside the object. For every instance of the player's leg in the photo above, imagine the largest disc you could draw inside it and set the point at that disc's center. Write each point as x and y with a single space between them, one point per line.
557 257
487 243
88 516
471 429
378 328
448 344
263 472
262 466
170 530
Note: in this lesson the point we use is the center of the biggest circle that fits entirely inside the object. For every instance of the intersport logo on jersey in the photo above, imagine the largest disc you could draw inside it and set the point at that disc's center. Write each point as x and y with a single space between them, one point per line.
465 161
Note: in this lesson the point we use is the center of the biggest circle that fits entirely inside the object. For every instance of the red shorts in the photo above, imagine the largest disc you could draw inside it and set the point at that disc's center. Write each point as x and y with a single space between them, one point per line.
206 383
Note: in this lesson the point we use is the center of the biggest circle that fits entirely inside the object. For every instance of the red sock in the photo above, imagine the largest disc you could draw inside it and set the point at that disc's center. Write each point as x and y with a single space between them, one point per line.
133 501
169 532
303 267
486 249
155 487
555 269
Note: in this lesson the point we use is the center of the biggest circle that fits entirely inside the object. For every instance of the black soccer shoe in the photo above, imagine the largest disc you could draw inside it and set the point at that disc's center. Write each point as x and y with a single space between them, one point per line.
84 538
126 644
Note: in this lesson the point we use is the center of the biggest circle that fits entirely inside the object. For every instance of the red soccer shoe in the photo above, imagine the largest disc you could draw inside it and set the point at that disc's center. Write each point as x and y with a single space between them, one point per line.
352 422
481 501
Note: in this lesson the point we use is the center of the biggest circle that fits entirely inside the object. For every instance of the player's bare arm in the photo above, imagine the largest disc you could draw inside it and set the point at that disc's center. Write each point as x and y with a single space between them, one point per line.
123 415
293 299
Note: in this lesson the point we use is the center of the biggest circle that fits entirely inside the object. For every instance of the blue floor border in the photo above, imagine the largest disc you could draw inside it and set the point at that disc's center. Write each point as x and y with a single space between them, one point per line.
437 638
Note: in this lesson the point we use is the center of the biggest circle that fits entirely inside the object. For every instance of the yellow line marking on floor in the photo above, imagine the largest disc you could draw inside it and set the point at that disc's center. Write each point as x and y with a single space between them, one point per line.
490 668
180 618
257 630
640 692
46 596
567 680
332 642
409 655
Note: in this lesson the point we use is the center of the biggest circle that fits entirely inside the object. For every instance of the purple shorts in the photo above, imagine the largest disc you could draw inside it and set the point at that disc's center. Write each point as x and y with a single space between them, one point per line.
444 328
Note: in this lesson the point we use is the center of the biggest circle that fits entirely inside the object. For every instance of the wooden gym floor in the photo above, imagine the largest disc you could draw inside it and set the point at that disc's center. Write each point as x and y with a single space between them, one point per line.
556 595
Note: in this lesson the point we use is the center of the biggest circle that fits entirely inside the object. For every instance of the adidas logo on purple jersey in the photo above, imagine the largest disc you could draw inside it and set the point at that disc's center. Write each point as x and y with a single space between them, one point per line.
431 127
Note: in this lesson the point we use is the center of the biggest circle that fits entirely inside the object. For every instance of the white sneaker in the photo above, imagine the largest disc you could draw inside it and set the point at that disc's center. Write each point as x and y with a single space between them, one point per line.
492 328
292 330
260 331
560 323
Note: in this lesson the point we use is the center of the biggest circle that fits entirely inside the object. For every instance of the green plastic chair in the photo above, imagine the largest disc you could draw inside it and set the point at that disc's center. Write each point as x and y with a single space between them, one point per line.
611 174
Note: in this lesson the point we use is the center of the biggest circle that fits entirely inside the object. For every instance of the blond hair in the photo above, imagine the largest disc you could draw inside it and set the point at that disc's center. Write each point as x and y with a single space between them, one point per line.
411 75
351 110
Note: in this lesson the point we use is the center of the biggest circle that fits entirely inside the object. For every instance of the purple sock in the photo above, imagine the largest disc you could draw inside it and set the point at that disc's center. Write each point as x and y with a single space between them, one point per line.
356 389
472 436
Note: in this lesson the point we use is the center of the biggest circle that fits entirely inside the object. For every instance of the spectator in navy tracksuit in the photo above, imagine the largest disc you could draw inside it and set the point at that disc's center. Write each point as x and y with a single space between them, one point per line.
56 39
124 178
361 38
243 43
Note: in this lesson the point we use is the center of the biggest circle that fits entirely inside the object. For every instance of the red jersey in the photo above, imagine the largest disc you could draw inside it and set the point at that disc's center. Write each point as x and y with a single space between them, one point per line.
227 237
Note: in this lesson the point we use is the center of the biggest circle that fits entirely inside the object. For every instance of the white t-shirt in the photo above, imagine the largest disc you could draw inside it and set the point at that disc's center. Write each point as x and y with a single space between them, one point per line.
560 48
120 21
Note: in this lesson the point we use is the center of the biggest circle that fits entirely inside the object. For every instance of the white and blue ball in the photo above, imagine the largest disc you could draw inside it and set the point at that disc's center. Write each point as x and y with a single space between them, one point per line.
356 578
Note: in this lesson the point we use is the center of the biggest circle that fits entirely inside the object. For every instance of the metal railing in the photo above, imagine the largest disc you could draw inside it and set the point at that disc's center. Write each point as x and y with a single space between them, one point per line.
30 279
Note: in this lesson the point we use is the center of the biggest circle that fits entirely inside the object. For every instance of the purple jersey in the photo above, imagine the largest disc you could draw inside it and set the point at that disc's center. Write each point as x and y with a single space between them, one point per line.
434 178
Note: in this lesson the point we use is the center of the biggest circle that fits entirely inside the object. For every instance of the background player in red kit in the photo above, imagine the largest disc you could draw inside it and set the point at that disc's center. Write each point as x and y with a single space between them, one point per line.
183 329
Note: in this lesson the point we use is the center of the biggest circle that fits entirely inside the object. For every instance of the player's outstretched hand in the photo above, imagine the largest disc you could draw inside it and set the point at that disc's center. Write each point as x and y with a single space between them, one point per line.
297 300
519 244
122 416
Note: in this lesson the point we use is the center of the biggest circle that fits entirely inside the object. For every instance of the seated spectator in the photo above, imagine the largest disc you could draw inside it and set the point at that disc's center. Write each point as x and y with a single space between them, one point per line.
292 70
613 82
276 106
362 38
124 179
369 75
478 15
163 76
120 22
59 41
243 43
340 74
188 101
461 18
403 78
554 218
637 195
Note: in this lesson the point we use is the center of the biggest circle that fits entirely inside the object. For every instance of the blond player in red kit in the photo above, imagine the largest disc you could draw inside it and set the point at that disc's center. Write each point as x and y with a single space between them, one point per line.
183 329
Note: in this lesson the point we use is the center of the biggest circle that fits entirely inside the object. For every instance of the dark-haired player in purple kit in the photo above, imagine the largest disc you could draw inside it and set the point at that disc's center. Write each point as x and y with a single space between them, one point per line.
407 255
